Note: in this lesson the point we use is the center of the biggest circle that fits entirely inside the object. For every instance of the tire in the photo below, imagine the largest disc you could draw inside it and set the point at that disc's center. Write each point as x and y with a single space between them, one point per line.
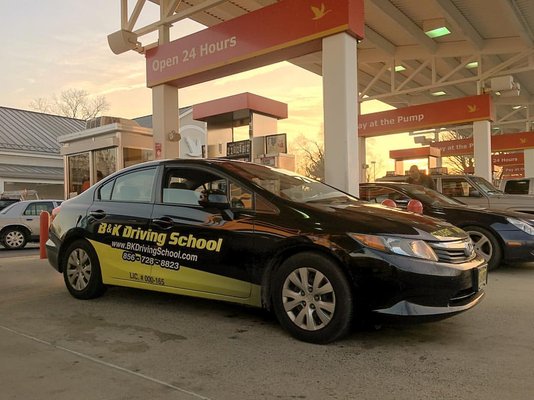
319 311
81 271
14 238
486 245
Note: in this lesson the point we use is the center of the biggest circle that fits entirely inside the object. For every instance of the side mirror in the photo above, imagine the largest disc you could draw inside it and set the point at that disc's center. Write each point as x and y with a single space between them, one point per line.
474 193
415 206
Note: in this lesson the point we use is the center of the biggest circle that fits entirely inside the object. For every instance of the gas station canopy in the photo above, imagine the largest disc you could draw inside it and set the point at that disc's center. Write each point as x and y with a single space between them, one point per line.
488 47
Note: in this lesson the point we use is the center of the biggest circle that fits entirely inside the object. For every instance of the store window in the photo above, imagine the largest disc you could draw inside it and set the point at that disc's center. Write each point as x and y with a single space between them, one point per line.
78 173
105 162
136 156
35 191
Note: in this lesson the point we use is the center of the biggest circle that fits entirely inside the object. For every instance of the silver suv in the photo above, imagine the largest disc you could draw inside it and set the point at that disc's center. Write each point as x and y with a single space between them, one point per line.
20 222
475 190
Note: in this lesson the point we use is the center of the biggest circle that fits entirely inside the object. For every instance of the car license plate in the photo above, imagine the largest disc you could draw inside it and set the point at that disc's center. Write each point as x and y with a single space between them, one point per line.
482 277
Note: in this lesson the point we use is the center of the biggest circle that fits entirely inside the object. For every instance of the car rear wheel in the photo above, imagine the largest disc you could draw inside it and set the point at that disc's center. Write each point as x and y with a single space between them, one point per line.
81 271
486 245
14 238
312 298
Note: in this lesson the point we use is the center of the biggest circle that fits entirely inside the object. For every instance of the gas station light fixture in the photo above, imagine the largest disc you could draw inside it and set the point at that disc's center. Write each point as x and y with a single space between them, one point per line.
438 93
398 68
436 27
472 65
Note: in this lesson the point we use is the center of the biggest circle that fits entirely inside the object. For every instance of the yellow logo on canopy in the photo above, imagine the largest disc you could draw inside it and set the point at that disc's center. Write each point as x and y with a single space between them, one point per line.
472 108
319 13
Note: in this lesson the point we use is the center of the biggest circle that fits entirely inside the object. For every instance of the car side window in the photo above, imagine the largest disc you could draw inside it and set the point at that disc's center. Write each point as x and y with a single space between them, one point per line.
458 187
264 206
378 194
373 194
240 197
178 192
189 185
383 193
213 185
517 187
134 187
104 192
37 208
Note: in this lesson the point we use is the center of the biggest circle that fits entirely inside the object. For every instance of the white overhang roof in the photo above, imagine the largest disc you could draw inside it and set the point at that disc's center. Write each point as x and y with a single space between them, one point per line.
499 35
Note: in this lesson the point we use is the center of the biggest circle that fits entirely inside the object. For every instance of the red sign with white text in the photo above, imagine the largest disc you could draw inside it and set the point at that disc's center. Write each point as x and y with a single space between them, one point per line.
506 142
424 116
281 31
508 159
513 171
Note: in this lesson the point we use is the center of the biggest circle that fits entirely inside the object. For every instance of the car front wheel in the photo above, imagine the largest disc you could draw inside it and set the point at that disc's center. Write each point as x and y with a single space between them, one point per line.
14 239
312 298
81 271
486 245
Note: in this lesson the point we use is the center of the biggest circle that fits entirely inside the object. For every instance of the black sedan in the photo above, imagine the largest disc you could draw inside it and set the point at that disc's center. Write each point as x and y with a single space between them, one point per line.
497 235
254 235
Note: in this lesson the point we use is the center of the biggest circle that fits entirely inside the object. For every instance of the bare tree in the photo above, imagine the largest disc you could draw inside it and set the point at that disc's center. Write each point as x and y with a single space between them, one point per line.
73 103
310 156
314 162
458 164
42 105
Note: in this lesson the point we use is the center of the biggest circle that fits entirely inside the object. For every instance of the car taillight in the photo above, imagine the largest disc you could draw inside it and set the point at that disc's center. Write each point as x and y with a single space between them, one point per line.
55 212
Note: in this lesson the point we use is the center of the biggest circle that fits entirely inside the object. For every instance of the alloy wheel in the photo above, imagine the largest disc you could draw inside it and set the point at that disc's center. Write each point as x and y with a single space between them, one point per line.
79 269
14 239
308 299
482 244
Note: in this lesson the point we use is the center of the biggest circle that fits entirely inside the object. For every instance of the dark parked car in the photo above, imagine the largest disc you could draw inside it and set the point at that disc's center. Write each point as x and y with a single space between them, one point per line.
254 235
497 235
476 191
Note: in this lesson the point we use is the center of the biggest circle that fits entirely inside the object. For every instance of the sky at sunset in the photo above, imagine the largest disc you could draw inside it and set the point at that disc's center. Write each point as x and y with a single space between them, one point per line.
51 46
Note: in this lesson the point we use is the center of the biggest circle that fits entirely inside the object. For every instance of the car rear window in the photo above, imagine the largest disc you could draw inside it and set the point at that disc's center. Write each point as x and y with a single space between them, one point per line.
517 187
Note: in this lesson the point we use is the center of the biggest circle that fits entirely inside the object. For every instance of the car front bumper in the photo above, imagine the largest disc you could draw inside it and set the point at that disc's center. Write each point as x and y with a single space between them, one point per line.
518 246
403 287
52 254
405 308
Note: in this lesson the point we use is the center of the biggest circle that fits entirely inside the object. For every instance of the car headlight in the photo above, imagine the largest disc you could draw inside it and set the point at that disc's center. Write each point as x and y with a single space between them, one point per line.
404 247
523 225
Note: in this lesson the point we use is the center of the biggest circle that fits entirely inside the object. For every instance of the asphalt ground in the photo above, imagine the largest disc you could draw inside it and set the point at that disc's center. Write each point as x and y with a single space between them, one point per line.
131 344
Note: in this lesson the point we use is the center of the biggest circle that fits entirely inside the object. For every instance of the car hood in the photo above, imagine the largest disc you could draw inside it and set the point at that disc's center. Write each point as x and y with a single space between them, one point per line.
490 211
379 220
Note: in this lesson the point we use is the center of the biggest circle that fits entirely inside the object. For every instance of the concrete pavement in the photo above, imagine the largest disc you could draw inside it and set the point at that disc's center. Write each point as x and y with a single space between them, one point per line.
131 344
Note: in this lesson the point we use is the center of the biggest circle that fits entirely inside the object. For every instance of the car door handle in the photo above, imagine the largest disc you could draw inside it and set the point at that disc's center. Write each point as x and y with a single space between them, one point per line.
98 214
163 222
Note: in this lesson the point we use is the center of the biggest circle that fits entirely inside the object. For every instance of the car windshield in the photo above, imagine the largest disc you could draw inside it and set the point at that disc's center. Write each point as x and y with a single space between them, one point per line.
289 185
431 196
486 187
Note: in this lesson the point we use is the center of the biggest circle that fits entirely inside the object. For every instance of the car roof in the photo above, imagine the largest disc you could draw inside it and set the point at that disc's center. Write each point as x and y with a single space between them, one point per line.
198 161
517 179
38 201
